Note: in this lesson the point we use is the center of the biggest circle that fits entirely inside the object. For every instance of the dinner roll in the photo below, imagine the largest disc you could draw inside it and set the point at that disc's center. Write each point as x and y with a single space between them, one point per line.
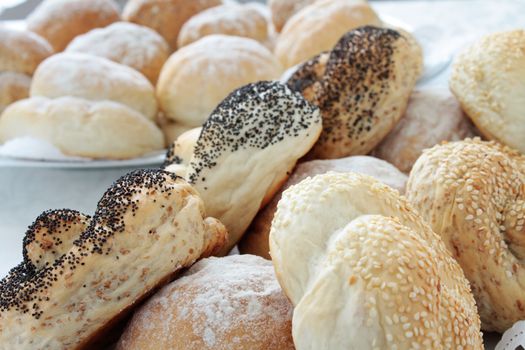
180 152
225 303
433 115
166 17
282 10
94 78
229 19
255 240
13 87
488 79
78 127
199 76
360 102
136 46
20 53
263 126
319 26
59 21
472 193
365 271
80 274
170 129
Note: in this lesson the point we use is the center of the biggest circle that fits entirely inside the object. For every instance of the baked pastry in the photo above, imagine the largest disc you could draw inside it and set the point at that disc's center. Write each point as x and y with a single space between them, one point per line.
433 115
136 46
79 273
166 17
94 78
282 10
228 19
170 129
364 271
488 79
472 193
79 127
360 103
255 240
59 21
319 26
180 152
20 53
199 76
246 150
233 302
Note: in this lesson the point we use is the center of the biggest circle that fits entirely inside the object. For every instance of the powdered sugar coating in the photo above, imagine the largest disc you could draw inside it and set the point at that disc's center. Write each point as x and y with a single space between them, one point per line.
233 302
130 44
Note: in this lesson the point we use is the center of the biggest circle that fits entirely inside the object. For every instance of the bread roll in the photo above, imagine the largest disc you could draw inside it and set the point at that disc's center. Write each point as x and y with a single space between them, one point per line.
133 45
166 17
488 79
199 76
282 10
79 274
233 302
20 53
13 87
180 152
263 126
318 27
433 115
255 240
364 271
170 129
472 193
360 103
94 78
59 21
78 127
228 19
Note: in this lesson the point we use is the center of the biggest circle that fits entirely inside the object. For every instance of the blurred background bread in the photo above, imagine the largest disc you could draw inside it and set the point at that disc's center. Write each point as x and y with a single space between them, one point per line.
200 75
59 21
133 45
228 19
318 27
165 16
20 53
282 10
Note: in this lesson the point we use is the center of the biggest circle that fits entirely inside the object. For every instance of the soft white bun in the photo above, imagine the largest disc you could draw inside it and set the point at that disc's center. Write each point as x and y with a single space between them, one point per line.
94 78
59 21
433 115
246 150
318 27
79 274
362 88
130 44
233 302
228 19
199 76
78 127
181 151
364 271
488 79
282 10
255 241
472 193
165 17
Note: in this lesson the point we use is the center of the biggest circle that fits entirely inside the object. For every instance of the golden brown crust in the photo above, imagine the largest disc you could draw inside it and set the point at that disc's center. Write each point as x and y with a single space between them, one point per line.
472 193
283 10
13 87
165 17
59 21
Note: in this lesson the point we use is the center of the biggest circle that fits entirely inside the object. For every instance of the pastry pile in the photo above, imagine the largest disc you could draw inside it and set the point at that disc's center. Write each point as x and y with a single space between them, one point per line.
421 249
